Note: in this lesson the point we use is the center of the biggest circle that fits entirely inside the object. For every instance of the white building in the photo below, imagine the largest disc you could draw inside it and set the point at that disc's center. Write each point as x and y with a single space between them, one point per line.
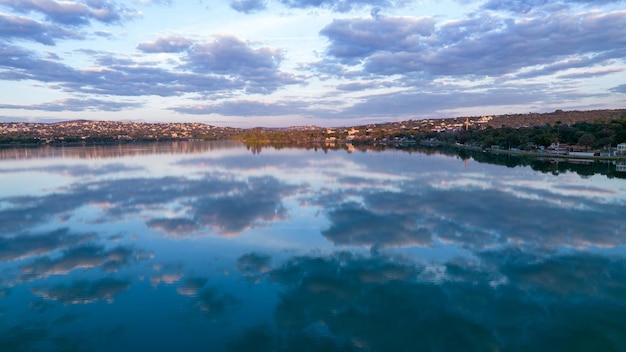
621 149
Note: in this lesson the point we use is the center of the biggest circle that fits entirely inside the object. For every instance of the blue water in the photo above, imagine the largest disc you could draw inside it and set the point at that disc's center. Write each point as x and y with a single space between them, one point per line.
207 246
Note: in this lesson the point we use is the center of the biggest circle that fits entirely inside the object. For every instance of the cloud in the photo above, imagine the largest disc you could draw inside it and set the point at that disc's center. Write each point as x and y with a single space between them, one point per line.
167 44
168 279
353 225
18 64
566 276
452 210
340 5
431 98
521 7
259 201
243 164
530 6
174 226
361 86
592 73
246 107
619 89
191 285
215 305
156 2
257 70
227 53
27 245
104 34
83 257
224 65
248 6
120 79
253 265
480 46
408 296
361 37
77 170
83 291
496 42
26 212
353 306
452 305
13 27
227 206
577 63
423 214
73 13
76 105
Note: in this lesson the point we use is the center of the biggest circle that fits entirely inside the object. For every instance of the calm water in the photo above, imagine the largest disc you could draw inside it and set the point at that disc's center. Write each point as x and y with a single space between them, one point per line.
211 247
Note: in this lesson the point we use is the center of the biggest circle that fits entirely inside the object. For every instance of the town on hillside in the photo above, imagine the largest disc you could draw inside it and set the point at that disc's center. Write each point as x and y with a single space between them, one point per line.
559 132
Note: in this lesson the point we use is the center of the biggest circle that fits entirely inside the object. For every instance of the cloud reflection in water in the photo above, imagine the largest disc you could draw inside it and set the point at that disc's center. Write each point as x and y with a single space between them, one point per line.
83 291
342 252
378 302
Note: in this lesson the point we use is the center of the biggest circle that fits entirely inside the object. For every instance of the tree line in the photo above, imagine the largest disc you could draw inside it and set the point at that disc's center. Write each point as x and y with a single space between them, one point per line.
596 135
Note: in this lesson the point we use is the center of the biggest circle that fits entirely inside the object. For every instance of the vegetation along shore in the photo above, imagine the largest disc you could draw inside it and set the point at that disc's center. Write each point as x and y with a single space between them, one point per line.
575 134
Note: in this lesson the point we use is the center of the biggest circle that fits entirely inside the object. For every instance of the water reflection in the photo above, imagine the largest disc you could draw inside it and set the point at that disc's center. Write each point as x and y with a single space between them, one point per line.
83 291
501 301
27 245
211 247
114 151
221 203
83 257
477 217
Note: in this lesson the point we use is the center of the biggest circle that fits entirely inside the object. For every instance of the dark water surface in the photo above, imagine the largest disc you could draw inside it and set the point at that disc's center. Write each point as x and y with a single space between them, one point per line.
210 247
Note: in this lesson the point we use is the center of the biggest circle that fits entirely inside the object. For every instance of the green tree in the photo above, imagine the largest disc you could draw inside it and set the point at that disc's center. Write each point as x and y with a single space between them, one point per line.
587 140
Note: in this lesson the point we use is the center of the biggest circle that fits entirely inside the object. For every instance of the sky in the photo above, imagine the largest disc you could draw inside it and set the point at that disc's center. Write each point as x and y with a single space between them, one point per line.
278 63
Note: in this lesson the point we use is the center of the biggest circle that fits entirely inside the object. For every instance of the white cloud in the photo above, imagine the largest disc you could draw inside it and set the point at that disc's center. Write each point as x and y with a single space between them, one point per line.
335 60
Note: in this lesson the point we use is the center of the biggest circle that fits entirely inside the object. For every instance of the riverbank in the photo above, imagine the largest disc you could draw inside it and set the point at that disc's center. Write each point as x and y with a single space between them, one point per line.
556 156
523 153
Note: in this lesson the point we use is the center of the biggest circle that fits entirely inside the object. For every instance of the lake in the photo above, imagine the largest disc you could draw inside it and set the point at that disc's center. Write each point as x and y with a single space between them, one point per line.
213 246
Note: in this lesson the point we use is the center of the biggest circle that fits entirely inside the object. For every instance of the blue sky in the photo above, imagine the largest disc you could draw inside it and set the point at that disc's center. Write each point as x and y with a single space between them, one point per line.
247 63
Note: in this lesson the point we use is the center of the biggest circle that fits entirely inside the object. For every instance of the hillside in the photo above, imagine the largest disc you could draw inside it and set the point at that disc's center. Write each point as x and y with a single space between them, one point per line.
108 131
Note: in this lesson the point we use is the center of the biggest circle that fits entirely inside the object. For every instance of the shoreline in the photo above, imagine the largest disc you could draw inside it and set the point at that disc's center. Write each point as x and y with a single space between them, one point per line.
423 143
524 153
556 156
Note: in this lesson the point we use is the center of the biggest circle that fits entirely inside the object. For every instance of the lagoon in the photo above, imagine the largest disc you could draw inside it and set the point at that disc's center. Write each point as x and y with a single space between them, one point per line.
215 246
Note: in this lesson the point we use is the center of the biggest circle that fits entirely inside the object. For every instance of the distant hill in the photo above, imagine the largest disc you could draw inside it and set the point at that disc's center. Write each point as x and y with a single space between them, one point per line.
84 131
558 116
